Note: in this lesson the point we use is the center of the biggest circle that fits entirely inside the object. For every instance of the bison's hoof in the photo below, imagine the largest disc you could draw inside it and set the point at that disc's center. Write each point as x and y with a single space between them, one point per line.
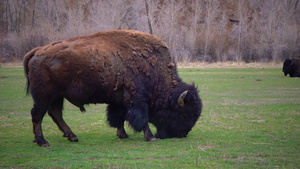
41 143
45 145
73 139
152 139
122 136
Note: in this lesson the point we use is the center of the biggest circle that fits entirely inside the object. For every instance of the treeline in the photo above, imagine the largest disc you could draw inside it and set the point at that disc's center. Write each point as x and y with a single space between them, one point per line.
195 30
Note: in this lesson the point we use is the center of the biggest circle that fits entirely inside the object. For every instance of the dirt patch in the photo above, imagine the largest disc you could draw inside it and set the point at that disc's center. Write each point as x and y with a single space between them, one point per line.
197 157
259 121
241 157
206 147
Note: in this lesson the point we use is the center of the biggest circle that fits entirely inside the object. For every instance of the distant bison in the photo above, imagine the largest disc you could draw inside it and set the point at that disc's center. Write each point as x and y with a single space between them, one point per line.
132 72
291 67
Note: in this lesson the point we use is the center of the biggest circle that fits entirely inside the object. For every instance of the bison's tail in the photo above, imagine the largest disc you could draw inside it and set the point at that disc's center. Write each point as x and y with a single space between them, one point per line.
26 60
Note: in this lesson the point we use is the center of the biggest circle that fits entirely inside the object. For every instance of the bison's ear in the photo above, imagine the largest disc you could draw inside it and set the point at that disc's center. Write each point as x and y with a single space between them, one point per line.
180 100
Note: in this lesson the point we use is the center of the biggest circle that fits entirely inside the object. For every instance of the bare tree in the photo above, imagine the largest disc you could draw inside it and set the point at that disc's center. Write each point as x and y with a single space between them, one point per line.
148 17
202 30
222 38
33 14
211 8
241 31
273 27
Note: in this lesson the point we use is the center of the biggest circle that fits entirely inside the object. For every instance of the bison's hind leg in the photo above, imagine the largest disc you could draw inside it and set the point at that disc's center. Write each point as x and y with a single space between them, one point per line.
37 114
55 112
116 117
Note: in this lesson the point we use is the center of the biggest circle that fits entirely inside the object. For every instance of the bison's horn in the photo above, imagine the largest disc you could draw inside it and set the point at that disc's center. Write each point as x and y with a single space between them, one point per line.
180 100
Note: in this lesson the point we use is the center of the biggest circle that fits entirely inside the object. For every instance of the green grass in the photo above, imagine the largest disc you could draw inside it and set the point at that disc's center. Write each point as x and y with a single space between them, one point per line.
250 120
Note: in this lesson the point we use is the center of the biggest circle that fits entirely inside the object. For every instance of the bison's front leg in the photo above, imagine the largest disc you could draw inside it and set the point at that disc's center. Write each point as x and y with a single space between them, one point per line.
148 134
116 118
137 117
121 132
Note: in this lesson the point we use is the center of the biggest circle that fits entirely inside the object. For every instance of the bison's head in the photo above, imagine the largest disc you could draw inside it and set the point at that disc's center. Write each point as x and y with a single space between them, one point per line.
288 67
183 111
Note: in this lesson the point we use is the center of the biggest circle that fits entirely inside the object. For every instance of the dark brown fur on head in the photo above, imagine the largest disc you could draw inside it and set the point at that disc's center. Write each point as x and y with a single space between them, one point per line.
291 67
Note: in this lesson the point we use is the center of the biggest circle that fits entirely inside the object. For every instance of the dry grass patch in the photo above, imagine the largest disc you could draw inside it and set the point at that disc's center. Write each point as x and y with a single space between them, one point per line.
185 65
12 65
259 101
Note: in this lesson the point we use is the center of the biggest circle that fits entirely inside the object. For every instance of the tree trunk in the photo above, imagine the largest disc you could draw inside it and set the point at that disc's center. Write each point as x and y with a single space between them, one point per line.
148 17
33 15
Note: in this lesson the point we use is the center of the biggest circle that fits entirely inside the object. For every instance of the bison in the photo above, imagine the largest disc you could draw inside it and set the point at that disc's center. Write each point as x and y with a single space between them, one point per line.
132 72
291 67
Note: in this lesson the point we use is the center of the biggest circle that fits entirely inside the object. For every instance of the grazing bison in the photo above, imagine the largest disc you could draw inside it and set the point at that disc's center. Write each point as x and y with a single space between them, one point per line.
131 71
292 67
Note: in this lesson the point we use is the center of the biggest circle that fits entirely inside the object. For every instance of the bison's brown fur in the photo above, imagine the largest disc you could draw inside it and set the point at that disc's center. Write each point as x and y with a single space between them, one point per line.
121 68
111 58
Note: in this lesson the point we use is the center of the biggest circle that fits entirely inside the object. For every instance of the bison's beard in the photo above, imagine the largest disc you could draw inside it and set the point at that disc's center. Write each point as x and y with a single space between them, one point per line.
174 130
164 135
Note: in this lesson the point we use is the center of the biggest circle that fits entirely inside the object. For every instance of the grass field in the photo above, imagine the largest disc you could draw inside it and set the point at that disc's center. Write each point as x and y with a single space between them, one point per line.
250 119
